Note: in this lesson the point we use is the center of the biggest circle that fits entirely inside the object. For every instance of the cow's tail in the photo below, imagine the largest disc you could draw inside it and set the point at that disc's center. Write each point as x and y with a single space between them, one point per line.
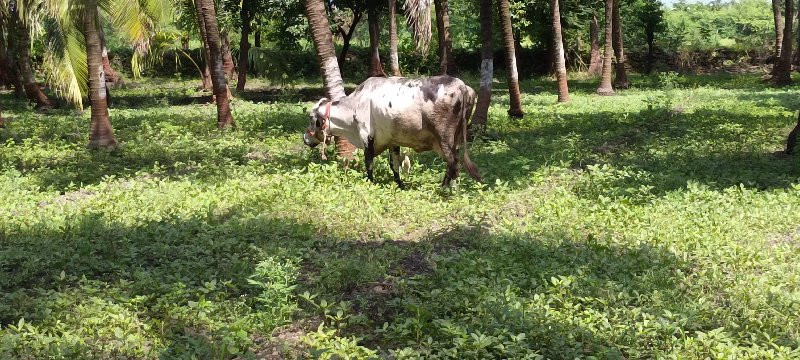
466 114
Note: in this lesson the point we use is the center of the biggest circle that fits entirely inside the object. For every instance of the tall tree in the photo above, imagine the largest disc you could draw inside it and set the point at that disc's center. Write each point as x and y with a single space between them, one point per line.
32 89
479 119
218 80
227 56
651 15
605 81
621 78
447 63
329 66
515 109
595 61
373 20
783 68
12 64
558 44
347 35
101 135
244 43
201 29
776 11
394 56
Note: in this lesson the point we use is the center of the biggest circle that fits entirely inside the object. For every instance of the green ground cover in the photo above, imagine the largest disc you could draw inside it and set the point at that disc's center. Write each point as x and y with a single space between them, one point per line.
656 223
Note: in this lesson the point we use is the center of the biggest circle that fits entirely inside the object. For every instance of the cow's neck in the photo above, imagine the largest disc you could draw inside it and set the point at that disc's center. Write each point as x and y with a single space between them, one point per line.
342 123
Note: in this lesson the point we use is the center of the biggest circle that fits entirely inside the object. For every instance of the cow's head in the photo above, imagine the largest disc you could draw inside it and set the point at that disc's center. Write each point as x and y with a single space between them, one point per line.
319 123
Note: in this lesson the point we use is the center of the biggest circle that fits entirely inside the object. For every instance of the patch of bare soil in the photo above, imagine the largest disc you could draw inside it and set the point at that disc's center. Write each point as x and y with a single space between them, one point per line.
285 343
68 197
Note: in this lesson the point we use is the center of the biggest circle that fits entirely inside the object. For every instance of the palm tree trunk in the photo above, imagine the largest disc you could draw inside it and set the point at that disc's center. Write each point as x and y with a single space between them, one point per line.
31 87
101 135
595 61
480 118
111 75
447 65
201 27
783 69
621 79
651 43
257 39
5 64
515 109
605 82
329 66
560 65
227 56
776 11
394 56
244 45
373 19
13 61
218 80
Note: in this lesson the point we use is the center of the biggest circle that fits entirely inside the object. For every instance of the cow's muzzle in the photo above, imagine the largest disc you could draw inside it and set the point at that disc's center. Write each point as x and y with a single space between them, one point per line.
309 140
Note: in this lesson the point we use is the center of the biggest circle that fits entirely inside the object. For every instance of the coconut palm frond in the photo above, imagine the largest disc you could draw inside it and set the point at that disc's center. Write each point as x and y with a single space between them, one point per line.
65 63
418 17
162 43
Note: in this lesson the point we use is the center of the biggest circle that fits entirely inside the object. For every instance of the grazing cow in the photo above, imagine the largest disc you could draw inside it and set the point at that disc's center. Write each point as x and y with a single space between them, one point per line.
387 113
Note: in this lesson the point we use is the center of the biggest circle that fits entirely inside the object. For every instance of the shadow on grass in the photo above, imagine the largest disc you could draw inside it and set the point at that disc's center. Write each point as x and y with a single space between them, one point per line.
464 275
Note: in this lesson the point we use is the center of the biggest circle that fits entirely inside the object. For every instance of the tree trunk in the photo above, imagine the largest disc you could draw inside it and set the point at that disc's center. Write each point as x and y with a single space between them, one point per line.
331 76
13 61
5 63
394 56
218 80
515 108
101 135
227 57
257 39
111 75
621 78
373 19
560 63
605 82
201 27
776 11
244 45
783 69
31 87
347 36
595 61
447 65
651 40
479 119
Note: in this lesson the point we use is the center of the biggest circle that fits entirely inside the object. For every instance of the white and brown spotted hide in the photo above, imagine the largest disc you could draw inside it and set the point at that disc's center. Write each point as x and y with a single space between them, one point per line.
388 113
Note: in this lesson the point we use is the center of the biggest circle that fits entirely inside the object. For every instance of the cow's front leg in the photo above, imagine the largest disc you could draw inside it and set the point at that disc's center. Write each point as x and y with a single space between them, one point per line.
369 156
394 163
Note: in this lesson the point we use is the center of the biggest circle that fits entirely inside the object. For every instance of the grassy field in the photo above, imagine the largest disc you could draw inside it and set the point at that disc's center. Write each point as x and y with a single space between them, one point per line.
653 224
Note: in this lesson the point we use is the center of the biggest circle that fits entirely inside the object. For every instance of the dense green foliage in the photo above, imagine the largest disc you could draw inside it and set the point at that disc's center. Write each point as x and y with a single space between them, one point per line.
653 223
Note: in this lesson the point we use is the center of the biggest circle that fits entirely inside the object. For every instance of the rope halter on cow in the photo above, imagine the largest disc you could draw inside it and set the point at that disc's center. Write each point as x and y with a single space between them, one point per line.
322 127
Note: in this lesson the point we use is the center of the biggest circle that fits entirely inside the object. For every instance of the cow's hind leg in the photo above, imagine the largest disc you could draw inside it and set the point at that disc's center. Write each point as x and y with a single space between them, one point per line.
369 157
451 156
394 163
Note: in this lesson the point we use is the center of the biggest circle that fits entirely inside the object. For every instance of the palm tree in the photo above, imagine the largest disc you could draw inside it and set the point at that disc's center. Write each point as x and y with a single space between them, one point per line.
558 43
373 20
447 65
621 79
101 134
73 55
244 43
479 119
220 83
605 82
418 18
32 90
783 68
515 109
393 40
776 11
595 62
329 65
